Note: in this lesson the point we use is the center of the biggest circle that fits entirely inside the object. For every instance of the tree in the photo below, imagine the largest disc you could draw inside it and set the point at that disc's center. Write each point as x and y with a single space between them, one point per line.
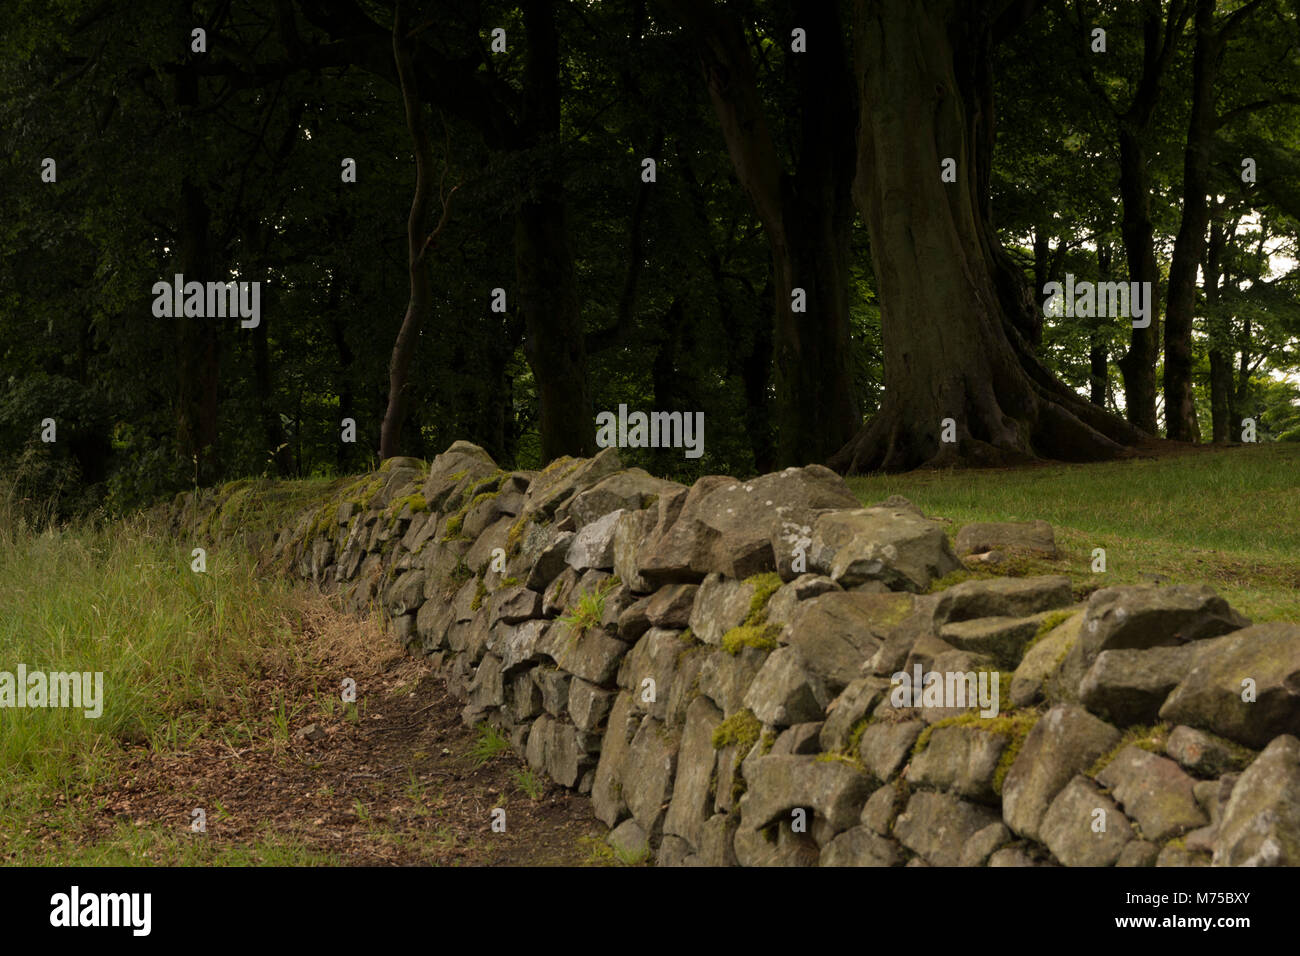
954 307
806 211
419 245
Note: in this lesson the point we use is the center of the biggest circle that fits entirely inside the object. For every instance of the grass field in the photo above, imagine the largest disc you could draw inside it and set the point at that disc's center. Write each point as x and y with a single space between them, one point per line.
207 679
1229 518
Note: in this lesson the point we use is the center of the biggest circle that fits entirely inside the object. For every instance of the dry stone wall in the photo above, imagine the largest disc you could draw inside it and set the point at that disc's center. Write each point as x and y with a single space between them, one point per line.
767 673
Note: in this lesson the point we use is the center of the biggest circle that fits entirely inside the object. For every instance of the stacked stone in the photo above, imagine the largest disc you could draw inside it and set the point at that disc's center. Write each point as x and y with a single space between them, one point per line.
713 665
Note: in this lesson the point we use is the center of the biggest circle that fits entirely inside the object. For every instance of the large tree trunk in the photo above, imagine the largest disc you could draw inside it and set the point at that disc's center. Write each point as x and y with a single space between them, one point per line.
1189 247
554 342
951 305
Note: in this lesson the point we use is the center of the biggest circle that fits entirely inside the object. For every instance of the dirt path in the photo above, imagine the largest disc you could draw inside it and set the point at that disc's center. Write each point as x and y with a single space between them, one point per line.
392 780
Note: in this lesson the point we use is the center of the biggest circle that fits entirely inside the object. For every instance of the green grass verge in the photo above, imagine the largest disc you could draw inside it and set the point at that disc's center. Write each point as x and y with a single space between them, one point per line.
1227 517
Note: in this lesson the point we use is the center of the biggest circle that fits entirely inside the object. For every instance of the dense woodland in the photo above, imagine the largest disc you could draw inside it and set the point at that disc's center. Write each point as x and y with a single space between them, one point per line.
799 263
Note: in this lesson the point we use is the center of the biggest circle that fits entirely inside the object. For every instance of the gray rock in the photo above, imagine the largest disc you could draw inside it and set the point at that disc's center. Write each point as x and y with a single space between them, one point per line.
1034 538
1210 696
883 807
513 606
564 478
783 692
1077 834
837 632
885 746
592 654
593 545
654 659
674 851
775 846
960 759
1042 661
860 847
524 697
779 784
1002 638
725 678
1065 741
851 707
607 798
629 841
565 758
554 685
937 826
629 490
487 689
716 840
799 739
404 630
671 606
1002 597
589 704
629 531
726 525
1261 823
890 545
721 604
648 774
1155 792
550 558
984 844
519 645
1213 795
1138 853
783 603
1137 617
406 594
479 555
1011 856
562 593
1174 855
1129 686
1205 754
692 801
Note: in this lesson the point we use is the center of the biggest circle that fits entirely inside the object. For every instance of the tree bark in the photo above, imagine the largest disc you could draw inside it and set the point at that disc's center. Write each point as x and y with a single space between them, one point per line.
1221 350
952 308
806 215
1189 246
420 304
554 342
1160 33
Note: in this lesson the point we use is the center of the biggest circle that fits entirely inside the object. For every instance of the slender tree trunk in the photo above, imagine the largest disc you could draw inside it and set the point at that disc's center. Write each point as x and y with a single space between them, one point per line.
1189 247
1220 339
554 341
420 304
952 310
1138 364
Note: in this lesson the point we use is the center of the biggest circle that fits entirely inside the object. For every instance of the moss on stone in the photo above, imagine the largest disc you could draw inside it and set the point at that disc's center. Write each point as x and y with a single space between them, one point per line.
765 585
454 525
742 729
514 538
1152 738
755 630
479 594
762 636
1014 725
